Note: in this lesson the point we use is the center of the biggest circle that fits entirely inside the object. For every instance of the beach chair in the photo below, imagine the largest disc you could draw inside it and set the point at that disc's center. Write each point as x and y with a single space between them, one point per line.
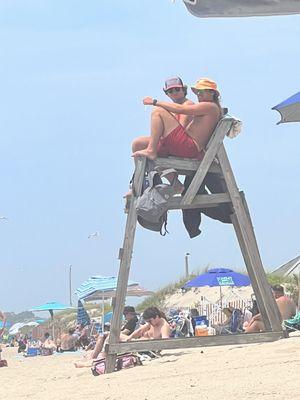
235 325
292 324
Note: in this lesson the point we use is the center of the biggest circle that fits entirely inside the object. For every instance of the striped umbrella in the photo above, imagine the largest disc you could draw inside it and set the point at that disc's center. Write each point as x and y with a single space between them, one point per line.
83 317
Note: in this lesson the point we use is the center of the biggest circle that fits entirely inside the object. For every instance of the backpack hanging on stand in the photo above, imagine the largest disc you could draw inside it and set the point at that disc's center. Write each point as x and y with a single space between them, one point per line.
152 206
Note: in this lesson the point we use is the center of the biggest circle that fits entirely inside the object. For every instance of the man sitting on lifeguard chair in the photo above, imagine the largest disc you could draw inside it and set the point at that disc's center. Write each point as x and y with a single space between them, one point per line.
169 137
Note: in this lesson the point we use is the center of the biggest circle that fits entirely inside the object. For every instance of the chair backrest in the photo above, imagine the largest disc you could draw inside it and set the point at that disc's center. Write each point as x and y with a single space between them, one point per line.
236 320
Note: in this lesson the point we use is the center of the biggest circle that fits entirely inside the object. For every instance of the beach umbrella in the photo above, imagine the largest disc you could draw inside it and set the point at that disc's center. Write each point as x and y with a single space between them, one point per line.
219 277
17 326
82 315
289 109
104 287
99 286
132 291
241 8
51 307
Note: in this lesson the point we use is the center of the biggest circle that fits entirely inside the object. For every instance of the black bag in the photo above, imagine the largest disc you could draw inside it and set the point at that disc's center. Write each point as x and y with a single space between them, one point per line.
152 206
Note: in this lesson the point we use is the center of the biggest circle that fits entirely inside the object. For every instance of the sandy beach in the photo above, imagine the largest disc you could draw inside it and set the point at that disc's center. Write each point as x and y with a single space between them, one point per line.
256 371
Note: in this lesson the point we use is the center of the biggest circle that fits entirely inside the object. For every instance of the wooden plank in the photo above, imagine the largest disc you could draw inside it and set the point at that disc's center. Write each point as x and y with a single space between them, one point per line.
125 262
200 201
244 229
215 142
205 341
184 166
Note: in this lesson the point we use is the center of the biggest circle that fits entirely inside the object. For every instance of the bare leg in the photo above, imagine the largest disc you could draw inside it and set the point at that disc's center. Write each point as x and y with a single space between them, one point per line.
255 326
99 346
140 143
162 123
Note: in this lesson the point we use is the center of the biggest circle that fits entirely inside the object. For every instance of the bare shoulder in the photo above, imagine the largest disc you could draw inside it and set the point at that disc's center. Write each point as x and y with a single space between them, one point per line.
207 107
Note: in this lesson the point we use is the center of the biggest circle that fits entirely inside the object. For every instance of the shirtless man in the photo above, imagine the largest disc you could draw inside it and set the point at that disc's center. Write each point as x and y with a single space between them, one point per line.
286 307
169 137
68 341
176 91
156 327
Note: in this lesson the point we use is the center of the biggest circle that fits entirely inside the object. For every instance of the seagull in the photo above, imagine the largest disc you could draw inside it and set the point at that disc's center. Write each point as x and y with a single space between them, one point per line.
93 235
4 218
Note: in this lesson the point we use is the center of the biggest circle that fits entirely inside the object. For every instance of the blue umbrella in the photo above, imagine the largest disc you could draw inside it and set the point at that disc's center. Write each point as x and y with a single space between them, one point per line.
289 109
219 277
82 315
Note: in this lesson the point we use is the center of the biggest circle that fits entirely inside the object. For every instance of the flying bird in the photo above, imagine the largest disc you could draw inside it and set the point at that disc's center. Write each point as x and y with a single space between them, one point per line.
4 218
93 235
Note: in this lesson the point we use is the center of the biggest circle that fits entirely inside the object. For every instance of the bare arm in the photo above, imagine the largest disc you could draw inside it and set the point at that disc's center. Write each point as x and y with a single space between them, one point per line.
139 332
202 108
165 331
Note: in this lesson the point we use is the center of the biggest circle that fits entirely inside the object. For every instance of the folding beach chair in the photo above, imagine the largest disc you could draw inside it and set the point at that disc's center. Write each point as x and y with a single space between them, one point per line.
292 324
236 323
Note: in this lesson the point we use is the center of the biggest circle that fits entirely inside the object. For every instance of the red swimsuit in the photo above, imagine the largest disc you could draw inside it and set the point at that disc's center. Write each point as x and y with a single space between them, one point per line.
178 143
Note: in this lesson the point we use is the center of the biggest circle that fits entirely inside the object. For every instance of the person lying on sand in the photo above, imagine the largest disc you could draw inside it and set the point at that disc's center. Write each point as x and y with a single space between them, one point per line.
286 307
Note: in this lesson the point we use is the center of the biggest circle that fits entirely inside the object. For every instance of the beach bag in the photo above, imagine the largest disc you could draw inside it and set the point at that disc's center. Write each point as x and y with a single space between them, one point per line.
122 362
152 206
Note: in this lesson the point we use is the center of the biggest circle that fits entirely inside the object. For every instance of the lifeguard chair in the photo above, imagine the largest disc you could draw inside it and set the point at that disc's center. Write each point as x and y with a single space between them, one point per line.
215 161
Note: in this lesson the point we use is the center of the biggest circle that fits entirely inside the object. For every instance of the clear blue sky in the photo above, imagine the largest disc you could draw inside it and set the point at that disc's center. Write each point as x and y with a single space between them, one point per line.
72 78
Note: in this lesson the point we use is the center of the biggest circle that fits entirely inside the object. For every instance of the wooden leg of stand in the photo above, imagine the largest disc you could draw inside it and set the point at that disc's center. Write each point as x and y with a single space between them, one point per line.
125 255
247 240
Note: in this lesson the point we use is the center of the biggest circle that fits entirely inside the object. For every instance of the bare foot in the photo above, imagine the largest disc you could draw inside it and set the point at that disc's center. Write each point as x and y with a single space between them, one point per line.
83 364
145 153
127 196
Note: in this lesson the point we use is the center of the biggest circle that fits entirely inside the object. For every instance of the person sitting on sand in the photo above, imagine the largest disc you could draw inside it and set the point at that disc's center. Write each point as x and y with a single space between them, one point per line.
226 324
286 306
48 346
127 328
156 326
68 341
169 137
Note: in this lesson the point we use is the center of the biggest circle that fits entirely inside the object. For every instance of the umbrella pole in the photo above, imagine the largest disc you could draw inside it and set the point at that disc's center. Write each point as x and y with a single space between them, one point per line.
221 305
102 312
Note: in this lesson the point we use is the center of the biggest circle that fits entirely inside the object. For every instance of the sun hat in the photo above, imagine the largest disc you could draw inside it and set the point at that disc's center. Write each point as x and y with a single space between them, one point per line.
206 84
173 82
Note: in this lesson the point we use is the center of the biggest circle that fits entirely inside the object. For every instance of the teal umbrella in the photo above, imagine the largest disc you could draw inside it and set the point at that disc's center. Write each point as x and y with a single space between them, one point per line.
51 306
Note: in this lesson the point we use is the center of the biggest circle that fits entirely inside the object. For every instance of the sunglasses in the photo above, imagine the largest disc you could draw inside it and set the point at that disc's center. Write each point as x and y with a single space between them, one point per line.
201 91
173 90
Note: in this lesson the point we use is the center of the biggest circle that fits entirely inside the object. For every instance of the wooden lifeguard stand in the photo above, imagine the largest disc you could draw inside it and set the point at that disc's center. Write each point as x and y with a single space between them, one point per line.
214 161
